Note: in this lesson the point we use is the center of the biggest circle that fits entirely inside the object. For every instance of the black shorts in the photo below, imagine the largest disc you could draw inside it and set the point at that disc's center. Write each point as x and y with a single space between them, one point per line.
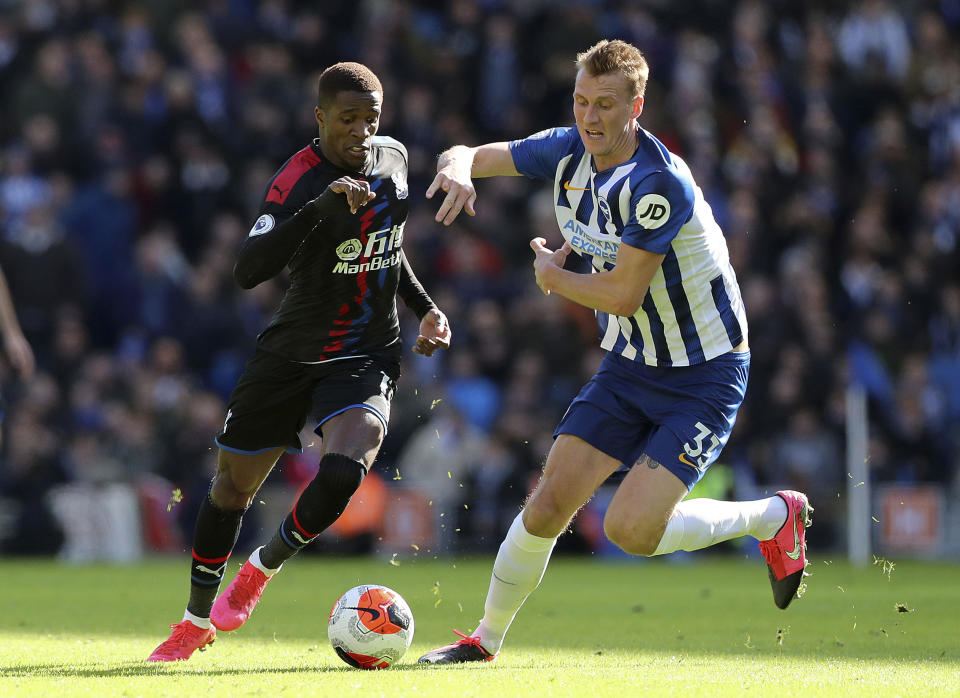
273 398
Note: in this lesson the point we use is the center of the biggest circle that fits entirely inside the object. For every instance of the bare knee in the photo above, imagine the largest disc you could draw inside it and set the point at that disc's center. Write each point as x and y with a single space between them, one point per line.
239 476
545 515
633 537
226 496
356 433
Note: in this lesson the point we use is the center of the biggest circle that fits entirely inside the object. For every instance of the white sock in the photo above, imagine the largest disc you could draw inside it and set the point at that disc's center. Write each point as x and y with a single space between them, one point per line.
517 571
255 561
698 523
196 620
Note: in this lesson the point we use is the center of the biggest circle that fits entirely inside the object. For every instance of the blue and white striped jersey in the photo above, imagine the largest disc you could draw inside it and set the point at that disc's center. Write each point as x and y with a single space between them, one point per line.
693 311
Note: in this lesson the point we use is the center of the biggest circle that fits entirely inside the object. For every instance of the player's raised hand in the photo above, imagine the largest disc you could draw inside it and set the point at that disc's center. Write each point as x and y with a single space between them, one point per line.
546 260
460 194
357 192
434 333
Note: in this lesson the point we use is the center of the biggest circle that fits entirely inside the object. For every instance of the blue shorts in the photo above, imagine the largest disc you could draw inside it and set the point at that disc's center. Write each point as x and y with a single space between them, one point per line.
679 416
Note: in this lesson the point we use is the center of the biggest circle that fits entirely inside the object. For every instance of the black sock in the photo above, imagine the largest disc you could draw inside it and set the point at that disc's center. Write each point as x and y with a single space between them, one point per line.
319 505
213 539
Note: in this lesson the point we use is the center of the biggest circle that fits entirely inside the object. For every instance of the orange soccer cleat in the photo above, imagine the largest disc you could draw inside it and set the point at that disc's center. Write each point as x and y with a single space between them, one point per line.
234 606
786 552
183 641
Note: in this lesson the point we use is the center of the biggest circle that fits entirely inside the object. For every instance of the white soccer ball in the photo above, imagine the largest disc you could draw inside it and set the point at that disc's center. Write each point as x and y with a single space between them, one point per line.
370 627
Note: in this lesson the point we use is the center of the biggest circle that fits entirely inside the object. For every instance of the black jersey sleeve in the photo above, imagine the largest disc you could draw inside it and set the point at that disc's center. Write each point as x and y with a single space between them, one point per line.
410 290
270 245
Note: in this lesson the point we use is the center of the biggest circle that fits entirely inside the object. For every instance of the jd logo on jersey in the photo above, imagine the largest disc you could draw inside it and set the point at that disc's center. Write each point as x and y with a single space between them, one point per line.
349 250
652 211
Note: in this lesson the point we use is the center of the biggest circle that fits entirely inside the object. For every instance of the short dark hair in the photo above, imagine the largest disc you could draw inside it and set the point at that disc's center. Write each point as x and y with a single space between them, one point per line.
617 57
341 77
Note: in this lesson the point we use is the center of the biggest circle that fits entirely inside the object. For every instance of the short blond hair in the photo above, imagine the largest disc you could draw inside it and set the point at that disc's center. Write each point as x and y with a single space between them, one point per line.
616 57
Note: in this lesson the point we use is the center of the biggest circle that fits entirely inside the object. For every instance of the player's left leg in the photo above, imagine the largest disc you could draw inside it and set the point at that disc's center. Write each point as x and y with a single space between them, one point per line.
350 444
647 517
694 409
353 398
351 441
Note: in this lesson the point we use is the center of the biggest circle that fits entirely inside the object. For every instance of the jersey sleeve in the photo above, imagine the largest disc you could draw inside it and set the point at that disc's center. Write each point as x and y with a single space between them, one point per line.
390 142
659 206
282 209
290 189
537 156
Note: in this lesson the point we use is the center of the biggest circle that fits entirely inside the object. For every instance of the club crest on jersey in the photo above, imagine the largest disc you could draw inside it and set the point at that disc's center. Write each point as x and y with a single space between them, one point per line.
652 211
400 183
349 250
604 208
263 225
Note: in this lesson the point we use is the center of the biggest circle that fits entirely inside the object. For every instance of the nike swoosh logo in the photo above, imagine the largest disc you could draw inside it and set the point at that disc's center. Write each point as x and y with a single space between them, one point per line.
683 459
566 185
374 613
504 581
795 553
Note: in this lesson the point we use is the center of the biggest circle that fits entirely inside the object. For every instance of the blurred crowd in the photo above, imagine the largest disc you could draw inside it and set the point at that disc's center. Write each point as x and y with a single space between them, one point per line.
137 137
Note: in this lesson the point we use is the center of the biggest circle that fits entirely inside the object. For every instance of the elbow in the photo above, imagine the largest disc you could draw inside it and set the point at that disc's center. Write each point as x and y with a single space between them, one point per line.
626 307
244 276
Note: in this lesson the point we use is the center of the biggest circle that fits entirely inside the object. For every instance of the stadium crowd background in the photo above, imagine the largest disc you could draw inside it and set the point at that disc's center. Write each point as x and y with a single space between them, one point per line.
136 139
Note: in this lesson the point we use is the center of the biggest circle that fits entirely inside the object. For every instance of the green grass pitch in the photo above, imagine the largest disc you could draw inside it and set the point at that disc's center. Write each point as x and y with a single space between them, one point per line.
703 627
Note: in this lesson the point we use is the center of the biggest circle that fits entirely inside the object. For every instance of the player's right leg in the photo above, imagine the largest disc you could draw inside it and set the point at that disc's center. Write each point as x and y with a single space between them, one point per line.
238 478
266 412
573 472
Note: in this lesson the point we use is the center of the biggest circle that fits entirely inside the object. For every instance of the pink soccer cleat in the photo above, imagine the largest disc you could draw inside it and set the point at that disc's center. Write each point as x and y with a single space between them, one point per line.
234 606
468 649
786 552
183 641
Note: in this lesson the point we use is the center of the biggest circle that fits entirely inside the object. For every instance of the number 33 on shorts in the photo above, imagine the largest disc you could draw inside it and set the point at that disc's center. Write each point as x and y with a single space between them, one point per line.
699 454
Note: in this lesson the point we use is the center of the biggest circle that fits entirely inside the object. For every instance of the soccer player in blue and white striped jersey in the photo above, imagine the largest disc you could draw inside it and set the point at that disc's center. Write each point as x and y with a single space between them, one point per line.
655 268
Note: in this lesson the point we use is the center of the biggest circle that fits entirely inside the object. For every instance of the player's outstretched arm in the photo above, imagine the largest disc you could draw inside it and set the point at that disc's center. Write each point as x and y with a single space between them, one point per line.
455 171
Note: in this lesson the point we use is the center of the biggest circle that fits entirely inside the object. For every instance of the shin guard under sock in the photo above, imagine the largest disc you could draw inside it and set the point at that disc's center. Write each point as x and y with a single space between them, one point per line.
517 571
318 506
214 536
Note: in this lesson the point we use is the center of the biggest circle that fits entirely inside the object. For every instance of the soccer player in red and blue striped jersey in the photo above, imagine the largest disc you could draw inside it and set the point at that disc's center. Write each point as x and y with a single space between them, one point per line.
334 214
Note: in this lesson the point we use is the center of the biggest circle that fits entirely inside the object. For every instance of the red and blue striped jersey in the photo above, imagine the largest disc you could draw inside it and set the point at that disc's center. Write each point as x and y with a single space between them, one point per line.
341 299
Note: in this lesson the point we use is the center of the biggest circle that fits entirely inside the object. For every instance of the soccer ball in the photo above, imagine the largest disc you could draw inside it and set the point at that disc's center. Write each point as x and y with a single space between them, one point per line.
370 627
